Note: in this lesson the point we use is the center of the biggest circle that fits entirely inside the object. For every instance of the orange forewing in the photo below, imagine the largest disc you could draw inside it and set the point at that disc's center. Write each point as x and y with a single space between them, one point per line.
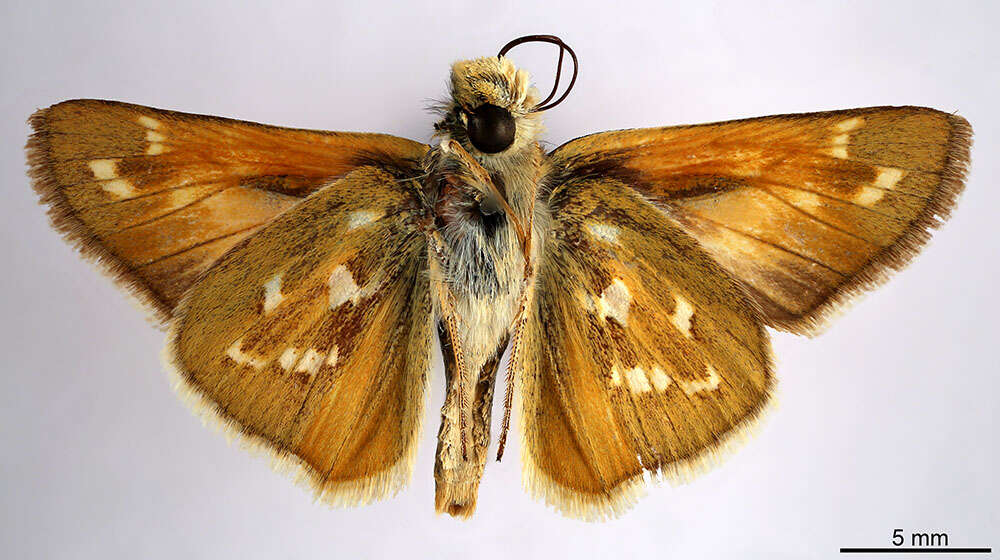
313 338
158 196
806 210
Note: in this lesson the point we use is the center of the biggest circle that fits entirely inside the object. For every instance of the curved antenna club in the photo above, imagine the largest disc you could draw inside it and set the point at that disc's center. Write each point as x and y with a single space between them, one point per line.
563 49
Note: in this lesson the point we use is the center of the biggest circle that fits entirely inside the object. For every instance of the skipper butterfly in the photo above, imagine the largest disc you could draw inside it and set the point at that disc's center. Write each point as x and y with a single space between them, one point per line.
303 274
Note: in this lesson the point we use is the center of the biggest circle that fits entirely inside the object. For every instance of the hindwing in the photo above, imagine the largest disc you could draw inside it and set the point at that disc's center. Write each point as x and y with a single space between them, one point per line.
312 338
640 354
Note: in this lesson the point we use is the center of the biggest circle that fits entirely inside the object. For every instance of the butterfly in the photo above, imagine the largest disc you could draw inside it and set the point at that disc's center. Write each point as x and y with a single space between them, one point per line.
304 275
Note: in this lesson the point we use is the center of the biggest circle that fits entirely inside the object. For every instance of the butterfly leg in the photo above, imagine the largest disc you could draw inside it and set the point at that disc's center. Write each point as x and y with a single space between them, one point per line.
519 320
528 280
449 318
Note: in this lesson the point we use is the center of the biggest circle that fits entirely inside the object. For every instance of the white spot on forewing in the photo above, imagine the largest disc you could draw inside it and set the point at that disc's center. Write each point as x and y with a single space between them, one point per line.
272 293
849 124
310 362
660 379
103 169
885 180
237 355
681 318
155 147
838 152
106 170
805 200
288 358
362 218
841 140
868 196
710 383
148 122
604 232
888 177
342 287
615 301
120 188
637 381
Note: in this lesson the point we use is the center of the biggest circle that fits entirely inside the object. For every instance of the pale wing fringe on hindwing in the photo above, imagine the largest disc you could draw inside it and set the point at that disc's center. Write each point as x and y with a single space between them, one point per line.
153 197
806 210
311 340
641 358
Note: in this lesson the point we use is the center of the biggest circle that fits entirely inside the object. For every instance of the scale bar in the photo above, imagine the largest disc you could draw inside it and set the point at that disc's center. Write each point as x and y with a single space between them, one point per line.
938 550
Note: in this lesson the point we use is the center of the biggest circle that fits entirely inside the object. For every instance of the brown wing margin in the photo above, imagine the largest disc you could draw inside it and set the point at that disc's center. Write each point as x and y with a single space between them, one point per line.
806 210
154 197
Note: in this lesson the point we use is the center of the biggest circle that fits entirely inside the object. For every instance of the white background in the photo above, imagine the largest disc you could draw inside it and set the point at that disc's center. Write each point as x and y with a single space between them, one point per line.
886 421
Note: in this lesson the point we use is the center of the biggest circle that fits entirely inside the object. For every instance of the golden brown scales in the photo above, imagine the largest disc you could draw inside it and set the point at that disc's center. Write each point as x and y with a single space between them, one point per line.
292 266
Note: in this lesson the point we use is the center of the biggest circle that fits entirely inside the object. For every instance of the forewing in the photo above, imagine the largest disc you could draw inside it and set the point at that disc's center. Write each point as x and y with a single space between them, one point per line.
157 196
806 210
312 337
640 354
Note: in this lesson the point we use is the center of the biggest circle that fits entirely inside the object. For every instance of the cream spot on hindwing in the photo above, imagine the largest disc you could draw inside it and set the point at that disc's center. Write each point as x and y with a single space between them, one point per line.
655 379
292 359
288 358
342 287
236 354
310 362
615 302
272 293
362 218
637 381
709 384
603 232
616 376
681 317
333 356
660 379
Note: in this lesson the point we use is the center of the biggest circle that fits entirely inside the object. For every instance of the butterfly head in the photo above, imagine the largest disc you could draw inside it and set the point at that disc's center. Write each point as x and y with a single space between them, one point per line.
492 107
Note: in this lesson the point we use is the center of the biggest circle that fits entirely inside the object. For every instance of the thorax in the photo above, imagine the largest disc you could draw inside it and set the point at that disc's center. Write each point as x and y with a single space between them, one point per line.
485 262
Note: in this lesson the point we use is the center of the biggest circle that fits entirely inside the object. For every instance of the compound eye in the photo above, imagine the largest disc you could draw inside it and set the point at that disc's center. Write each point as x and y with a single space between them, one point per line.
491 128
